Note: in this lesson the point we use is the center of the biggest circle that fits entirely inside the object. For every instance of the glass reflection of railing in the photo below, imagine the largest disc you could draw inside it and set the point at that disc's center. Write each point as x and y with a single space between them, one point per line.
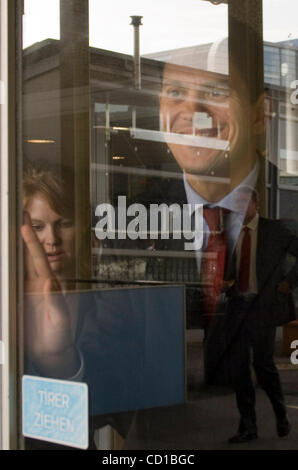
170 137
182 139
162 174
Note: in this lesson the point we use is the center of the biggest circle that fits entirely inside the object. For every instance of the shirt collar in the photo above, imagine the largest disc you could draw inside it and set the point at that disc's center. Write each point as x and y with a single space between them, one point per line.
229 201
253 224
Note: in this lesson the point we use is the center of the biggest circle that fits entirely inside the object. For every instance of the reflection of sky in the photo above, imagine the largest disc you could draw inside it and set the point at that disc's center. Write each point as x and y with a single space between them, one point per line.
168 24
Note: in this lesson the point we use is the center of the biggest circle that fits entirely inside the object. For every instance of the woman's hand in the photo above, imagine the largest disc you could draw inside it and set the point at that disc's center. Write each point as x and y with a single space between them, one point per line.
48 336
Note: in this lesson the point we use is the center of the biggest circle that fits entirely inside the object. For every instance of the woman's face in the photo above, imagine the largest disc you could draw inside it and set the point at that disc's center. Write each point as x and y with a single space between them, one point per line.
55 232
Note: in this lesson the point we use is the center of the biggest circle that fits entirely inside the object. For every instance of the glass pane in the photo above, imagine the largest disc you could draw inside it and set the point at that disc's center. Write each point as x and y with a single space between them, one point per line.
280 69
1 146
162 28
280 66
41 21
288 205
154 269
288 128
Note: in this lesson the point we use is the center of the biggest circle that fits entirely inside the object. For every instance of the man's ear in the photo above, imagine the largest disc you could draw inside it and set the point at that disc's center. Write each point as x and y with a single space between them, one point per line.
259 115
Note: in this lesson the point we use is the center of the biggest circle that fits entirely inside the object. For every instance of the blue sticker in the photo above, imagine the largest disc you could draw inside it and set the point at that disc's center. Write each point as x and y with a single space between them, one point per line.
55 411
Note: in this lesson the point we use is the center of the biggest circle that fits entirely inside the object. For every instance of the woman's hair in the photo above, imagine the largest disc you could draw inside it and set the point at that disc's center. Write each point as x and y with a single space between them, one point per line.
48 185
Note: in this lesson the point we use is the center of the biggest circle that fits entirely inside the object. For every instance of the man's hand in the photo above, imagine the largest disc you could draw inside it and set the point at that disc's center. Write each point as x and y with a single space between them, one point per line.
284 287
48 338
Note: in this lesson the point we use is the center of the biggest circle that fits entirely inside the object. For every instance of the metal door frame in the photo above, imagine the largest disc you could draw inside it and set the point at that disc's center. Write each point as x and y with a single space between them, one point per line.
10 146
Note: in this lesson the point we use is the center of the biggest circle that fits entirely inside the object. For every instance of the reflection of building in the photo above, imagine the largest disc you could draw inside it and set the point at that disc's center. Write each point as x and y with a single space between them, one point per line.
127 152
116 107
113 103
280 59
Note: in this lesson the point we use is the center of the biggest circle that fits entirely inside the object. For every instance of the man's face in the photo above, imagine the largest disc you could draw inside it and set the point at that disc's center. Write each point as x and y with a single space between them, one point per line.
195 103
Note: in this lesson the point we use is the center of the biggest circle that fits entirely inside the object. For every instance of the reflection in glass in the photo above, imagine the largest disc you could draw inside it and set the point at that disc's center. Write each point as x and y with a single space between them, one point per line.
193 133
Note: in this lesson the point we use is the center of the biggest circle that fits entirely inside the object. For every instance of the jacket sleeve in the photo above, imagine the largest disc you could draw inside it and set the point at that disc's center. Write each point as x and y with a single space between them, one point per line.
290 245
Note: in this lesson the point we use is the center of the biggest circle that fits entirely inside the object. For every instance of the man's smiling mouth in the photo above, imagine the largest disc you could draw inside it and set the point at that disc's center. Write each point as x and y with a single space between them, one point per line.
212 132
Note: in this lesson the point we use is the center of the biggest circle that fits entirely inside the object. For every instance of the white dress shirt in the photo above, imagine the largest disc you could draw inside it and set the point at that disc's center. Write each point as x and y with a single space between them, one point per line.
234 220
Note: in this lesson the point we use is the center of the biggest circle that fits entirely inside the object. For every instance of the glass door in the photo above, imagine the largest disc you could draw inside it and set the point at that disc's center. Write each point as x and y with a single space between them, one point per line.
148 150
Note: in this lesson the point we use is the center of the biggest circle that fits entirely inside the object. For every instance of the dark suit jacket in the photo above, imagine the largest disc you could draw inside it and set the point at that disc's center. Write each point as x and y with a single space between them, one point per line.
224 345
275 243
270 308
226 339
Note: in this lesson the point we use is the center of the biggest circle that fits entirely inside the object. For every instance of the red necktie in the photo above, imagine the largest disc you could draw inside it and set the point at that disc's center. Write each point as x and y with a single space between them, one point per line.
244 267
213 261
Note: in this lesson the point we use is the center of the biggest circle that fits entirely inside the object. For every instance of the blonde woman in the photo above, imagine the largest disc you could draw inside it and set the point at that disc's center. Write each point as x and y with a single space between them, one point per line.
49 238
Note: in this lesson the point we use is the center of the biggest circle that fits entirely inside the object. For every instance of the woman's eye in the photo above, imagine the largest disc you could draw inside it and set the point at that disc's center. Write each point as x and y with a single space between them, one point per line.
37 227
65 223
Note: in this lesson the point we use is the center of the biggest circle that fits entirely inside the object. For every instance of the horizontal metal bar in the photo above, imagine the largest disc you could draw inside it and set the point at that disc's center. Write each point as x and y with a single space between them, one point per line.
156 173
180 139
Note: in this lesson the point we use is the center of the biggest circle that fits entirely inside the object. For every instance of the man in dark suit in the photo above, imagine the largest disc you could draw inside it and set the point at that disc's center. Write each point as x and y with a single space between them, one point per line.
265 285
218 126
210 128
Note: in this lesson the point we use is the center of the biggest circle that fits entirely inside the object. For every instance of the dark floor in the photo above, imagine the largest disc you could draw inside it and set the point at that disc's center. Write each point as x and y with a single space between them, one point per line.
210 416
